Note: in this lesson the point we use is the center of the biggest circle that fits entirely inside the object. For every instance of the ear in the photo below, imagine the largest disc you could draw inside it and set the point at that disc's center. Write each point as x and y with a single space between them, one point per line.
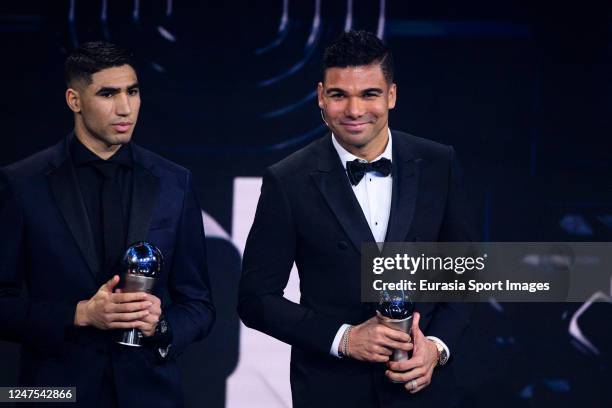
392 97
320 95
73 100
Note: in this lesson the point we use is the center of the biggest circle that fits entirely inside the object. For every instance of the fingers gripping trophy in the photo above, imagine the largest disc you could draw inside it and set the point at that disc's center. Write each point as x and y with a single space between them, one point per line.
395 311
142 262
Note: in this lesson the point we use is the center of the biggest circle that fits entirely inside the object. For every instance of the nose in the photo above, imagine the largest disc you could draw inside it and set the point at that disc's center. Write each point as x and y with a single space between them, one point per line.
122 104
354 108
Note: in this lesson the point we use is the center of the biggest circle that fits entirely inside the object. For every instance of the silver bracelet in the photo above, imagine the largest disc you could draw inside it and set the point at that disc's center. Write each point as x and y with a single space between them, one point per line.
345 342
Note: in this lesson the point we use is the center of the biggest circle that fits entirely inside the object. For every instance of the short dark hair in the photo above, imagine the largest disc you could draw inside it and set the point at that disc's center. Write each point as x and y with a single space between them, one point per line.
92 57
357 48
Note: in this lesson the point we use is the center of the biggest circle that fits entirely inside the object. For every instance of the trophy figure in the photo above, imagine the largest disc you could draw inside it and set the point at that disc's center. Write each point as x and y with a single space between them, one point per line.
395 311
142 262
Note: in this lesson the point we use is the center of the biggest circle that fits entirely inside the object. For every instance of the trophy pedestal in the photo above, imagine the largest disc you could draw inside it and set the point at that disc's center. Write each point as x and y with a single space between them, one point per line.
404 325
135 283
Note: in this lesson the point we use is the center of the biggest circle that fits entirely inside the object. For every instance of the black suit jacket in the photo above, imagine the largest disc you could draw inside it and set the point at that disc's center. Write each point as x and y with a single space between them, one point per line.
47 246
308 214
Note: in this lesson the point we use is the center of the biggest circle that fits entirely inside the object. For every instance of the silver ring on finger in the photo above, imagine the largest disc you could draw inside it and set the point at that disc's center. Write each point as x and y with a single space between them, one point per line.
413 384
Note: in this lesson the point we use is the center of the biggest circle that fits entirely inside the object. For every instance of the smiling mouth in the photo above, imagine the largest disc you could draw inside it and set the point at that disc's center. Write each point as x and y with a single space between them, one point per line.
354 125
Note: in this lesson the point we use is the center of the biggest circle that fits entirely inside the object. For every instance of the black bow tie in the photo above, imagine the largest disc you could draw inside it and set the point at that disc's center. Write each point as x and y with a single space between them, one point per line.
357 169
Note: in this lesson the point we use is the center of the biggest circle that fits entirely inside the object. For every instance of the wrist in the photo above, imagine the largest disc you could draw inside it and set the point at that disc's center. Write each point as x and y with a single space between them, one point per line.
344 346
80 314
434 346
162 333
442 351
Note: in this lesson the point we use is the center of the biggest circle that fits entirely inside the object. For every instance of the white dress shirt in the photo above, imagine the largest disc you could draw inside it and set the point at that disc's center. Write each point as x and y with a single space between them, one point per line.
374 195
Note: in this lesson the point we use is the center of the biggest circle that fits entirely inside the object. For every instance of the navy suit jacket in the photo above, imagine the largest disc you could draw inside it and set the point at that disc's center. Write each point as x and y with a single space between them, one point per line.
308 214
48 248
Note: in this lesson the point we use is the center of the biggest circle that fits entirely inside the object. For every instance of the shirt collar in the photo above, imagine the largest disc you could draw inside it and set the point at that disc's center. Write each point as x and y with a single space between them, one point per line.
82 156
346 156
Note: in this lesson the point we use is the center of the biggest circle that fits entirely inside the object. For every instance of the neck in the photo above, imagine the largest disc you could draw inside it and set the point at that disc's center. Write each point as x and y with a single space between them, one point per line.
371 150
98 147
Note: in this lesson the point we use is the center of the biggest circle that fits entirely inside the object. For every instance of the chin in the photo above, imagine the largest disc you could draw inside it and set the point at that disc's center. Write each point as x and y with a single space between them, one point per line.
356 139
119 139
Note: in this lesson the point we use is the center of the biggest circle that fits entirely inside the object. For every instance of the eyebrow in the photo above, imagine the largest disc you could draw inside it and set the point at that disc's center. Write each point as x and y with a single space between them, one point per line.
110 89
368 90
372 90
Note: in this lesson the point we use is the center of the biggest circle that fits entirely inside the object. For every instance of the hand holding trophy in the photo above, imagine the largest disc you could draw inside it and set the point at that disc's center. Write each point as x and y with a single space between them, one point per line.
395 311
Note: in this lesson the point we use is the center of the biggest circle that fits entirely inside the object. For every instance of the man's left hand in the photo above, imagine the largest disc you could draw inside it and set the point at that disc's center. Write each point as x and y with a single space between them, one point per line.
420 366
148 324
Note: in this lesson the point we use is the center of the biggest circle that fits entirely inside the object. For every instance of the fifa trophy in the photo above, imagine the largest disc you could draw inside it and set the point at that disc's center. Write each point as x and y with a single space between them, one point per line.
142 262
395 311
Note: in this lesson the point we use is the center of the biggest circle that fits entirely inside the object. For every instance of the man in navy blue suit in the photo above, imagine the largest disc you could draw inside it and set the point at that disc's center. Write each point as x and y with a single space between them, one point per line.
67 214
361 183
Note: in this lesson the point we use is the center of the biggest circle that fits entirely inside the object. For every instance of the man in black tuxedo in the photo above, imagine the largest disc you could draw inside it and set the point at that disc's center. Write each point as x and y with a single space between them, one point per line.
362 183
67 214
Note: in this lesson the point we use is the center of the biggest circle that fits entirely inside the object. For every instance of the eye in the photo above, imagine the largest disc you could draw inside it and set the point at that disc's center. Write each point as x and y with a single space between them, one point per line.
133 92
337 96
370 95
106 94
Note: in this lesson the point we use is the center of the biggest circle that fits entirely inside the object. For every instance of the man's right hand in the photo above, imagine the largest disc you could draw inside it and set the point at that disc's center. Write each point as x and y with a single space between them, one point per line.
374 342
107 310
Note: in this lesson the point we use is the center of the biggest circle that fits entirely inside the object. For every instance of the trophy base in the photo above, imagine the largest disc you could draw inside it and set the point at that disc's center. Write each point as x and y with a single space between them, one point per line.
130 338
404 325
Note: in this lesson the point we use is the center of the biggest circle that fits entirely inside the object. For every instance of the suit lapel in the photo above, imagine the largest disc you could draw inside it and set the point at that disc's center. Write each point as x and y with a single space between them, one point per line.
145 193
68 198
333 183
405 174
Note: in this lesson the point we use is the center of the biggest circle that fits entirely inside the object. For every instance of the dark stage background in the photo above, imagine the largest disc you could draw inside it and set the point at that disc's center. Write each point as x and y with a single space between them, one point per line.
523 92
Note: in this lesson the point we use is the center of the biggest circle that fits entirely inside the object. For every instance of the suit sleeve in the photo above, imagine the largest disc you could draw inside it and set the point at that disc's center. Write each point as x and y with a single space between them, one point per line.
192 313
268 259
39 324
450 319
